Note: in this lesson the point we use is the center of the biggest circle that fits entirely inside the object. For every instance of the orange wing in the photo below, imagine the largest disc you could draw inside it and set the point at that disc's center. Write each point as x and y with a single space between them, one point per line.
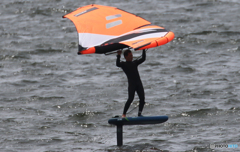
104 29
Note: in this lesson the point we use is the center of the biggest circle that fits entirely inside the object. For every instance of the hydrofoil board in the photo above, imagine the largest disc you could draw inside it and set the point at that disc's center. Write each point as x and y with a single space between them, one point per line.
142 120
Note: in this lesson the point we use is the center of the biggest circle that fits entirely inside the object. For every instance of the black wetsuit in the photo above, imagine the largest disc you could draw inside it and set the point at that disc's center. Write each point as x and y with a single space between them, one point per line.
134 81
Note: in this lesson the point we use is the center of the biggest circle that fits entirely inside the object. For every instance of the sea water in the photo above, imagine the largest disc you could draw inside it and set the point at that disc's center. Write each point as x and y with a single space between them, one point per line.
54 100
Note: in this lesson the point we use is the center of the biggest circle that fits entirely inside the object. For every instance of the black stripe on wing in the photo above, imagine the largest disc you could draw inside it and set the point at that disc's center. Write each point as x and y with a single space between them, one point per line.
132 35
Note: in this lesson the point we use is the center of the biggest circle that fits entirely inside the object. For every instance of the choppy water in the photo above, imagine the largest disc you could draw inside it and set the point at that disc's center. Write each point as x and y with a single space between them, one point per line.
53 100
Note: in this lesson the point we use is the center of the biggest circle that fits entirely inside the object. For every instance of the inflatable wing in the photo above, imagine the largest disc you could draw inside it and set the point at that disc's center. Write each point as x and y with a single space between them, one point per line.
102 29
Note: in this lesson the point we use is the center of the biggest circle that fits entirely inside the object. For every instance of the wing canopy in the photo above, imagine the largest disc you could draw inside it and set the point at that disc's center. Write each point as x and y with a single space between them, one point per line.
104 29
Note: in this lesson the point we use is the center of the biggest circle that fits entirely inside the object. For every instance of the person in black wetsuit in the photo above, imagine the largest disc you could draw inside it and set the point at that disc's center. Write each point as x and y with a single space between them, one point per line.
134 81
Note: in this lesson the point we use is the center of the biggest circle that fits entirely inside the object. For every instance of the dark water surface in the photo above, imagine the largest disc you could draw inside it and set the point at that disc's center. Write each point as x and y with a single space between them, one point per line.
54 100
